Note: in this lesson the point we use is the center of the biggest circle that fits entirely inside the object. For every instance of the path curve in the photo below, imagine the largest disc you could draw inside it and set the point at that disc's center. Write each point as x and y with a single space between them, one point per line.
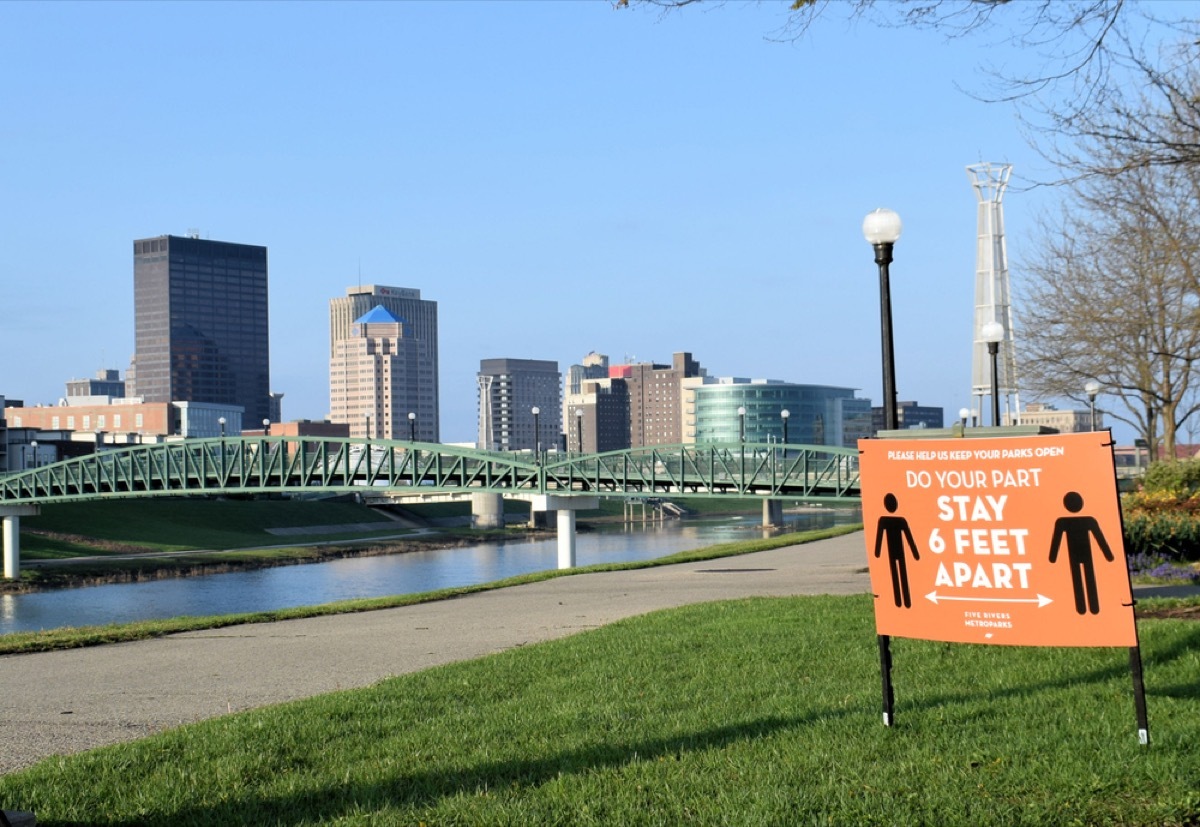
68 701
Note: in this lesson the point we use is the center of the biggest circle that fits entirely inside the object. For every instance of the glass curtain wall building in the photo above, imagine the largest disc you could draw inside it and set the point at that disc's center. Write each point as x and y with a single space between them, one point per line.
201 323
818 414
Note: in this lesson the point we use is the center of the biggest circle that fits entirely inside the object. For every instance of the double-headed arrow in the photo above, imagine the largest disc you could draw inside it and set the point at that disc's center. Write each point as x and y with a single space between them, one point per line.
1041 600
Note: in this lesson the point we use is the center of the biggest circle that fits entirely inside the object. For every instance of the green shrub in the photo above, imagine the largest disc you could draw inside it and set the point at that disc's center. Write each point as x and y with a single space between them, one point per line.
1163 519
1180 477
1170 535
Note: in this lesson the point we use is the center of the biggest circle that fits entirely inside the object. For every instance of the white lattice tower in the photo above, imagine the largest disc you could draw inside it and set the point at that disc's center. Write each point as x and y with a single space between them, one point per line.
992 296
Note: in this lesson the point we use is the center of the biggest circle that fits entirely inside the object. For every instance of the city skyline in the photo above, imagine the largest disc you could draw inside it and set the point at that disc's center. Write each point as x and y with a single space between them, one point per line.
558 177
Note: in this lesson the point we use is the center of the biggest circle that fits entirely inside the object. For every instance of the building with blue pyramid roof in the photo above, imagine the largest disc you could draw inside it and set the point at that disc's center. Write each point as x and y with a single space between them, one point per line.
378 382
379 315
366 307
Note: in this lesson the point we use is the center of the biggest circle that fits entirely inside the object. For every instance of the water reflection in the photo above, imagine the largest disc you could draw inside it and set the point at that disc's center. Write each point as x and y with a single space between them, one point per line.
301 585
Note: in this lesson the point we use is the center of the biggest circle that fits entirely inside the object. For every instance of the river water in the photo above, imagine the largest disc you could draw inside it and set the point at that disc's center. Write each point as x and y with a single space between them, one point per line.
409 573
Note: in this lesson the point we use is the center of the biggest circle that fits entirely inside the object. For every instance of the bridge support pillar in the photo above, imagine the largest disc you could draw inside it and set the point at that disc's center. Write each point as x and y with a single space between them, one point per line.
772 513
487 511
566 508
566 538
11 516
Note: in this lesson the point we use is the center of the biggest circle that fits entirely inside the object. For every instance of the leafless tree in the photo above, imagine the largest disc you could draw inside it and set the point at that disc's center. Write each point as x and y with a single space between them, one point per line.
1112 294
1153 120
1102 66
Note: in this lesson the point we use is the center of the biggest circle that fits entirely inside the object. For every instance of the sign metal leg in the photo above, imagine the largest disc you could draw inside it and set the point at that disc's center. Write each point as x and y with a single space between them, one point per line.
1139 694
885 671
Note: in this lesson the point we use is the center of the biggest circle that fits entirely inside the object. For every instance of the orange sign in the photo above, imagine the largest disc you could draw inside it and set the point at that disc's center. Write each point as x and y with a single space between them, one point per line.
1009 540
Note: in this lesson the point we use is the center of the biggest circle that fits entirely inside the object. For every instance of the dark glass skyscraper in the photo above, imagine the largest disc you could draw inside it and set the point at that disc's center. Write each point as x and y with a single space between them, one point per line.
201 323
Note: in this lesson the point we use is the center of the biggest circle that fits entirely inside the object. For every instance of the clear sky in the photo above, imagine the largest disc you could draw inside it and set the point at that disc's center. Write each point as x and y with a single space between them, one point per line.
560 177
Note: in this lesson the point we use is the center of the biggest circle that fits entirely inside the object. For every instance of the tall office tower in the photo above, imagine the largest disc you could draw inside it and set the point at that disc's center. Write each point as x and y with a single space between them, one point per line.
579 394
201 323
597 418
420 322
375 380
509 390
656 399
595 366
992 296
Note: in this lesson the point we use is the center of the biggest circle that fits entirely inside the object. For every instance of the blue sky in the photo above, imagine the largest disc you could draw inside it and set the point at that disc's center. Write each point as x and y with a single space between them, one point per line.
560 177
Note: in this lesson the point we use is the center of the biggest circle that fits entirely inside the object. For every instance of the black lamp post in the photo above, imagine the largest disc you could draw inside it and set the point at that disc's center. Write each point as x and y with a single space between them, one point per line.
1092 388
741 424
881 228
221 422
784 415
579 428
963 414
993 334
266 427
33 446
412 426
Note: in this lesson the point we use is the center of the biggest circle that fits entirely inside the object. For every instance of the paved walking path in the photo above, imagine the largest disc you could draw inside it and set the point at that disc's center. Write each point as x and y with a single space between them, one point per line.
69 701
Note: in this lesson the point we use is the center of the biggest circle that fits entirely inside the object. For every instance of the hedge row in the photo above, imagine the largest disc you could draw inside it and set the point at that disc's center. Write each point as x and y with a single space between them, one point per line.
1163 519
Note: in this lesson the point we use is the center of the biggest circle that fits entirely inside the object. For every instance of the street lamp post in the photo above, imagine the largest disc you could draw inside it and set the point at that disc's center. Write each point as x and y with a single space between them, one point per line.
741 424
784 415
266 427
537 433
33 446
221 422
993 334
881 228
963 414
1092 388
412 426
579 428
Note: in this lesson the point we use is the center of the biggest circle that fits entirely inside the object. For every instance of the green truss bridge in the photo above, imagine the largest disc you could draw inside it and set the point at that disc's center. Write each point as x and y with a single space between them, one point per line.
399 469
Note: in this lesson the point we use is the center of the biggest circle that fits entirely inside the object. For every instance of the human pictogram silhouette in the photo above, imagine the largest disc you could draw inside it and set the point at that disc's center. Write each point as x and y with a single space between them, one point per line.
897 532
1079 532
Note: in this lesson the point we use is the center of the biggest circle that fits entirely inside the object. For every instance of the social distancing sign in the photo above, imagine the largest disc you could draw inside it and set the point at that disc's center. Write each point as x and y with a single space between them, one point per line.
1008 540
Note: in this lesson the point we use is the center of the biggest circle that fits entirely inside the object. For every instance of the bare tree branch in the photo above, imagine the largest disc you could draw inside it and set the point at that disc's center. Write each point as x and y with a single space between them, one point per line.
1112 293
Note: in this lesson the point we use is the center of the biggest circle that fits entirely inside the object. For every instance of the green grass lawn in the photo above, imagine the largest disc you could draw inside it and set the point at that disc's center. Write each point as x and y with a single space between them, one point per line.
105 528
186 523
752 712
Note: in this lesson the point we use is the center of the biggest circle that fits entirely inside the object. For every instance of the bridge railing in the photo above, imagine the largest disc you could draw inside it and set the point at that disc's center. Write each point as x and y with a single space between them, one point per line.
267 464
725 469
304 464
